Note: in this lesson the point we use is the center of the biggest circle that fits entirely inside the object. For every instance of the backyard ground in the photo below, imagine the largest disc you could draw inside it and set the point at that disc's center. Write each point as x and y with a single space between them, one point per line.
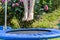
43 18
55 39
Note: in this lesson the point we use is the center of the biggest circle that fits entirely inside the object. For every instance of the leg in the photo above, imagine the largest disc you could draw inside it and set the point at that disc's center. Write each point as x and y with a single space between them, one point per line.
31 10
25 10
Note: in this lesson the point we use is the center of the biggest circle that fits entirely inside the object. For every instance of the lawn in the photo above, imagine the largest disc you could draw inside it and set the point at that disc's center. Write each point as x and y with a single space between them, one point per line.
55 39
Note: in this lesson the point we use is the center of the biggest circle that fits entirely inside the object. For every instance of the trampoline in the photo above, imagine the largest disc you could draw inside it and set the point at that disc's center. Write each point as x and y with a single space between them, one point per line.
29 34
26 33
2 27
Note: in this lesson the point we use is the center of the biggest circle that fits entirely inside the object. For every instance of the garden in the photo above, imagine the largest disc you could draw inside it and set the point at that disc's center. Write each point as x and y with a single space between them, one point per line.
46 14
42 15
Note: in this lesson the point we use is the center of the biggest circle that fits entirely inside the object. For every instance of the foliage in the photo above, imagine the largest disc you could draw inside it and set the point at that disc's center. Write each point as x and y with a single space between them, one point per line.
15 22
16 10
49 20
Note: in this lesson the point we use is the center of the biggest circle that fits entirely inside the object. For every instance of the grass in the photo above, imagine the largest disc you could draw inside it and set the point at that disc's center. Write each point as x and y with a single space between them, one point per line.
49 20
55 39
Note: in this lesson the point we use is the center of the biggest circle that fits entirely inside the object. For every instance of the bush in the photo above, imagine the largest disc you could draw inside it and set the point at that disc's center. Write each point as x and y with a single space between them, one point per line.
15 14
49 20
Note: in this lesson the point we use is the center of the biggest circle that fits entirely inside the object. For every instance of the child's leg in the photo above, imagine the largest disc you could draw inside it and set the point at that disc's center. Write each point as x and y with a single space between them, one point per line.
31 10
25 10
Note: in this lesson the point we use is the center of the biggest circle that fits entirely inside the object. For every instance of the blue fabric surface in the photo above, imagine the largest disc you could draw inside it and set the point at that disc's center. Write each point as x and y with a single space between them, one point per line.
1 27
53 34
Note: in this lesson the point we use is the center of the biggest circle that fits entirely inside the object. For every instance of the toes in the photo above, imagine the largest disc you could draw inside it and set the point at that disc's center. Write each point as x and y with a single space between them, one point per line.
24 19
29 18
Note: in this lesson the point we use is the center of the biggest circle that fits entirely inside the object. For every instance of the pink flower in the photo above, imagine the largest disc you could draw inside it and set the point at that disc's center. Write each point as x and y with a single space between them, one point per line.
21 0
3 1
17 4
13 5
46 7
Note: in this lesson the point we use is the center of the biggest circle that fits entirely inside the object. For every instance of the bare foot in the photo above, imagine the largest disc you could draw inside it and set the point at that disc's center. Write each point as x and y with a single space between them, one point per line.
24 19
30 17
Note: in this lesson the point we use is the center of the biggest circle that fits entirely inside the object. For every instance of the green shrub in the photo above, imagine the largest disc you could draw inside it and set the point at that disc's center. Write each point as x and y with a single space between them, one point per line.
15 22
49 20
45 20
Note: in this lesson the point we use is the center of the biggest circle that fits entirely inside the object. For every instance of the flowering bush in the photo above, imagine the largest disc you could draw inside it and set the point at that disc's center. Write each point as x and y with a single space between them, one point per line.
16 10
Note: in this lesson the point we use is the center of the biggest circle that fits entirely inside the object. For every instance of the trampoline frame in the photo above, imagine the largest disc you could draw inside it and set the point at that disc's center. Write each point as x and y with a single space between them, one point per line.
47 35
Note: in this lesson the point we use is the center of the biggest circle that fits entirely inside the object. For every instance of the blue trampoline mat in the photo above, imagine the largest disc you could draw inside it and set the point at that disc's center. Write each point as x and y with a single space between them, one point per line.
29 33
